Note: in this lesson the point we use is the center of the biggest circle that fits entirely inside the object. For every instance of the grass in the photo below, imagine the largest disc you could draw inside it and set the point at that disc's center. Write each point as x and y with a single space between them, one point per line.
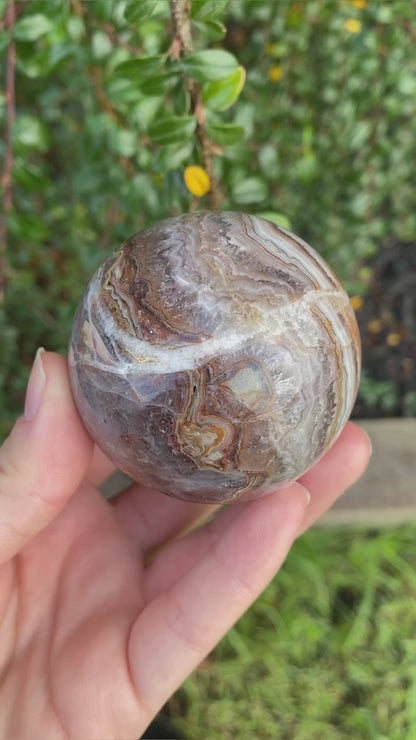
328 652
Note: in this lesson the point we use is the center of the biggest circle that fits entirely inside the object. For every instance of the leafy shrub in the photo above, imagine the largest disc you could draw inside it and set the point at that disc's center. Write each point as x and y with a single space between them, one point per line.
322 136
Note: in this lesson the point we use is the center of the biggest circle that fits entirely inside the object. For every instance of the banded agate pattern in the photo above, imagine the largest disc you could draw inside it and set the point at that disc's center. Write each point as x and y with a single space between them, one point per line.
214 357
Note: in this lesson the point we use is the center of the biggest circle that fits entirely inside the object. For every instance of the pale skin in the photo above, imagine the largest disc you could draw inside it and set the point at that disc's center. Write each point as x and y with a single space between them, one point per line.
106 607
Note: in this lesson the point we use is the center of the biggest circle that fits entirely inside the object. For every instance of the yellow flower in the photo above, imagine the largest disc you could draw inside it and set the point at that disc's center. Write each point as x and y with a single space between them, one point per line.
375 326
394 339
275 73
353 25
356 302
196 180
359 3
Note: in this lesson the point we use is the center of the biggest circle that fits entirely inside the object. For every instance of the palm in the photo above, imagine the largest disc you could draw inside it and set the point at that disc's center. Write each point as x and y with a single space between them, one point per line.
94 634
76 590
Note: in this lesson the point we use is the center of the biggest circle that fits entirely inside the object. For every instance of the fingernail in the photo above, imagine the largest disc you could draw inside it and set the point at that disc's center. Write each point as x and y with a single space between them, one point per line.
369 441
35 387
306 493
299 487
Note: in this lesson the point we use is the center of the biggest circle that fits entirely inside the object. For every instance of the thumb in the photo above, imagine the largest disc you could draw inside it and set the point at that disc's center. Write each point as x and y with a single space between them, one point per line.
44 459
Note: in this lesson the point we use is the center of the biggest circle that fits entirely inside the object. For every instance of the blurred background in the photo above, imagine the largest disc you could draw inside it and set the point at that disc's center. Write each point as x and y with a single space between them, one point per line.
117 114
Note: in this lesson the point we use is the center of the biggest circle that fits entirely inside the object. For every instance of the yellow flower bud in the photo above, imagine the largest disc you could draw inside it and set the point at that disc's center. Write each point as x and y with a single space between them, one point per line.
359 4
275 73
353 25
356 302
375 326
394 339
196 180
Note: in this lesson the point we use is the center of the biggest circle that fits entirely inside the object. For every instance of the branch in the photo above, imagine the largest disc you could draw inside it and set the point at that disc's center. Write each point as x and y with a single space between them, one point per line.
180 10
111 220
19 8
6 176
183 45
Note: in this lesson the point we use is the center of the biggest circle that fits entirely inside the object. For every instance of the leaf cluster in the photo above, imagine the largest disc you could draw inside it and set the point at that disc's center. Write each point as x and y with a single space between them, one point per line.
321 138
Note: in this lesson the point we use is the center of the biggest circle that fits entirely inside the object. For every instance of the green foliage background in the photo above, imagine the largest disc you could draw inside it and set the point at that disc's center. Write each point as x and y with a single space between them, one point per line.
330 146
323 136
327 652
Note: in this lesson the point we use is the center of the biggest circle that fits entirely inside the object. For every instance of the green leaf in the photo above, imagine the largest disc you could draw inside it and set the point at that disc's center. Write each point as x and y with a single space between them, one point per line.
172 130
146 112
75 27
123 142
4 41
212 30
250 190
384 14
137 10
207 8
43 61
100 44
181 102
269 161
32 27
407 84
225 133
209 65
159 84
222 94
29 228
30 132
123 93
306 167
277 49
171 157
141 68
276 218
28 176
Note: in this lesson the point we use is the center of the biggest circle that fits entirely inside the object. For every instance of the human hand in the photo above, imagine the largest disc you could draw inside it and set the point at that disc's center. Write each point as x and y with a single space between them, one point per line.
100 624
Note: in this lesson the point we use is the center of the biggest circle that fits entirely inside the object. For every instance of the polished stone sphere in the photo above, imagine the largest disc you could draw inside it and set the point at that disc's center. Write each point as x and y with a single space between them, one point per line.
214 357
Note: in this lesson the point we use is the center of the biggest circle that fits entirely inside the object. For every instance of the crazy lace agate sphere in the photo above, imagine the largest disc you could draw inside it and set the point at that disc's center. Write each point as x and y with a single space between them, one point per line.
214 357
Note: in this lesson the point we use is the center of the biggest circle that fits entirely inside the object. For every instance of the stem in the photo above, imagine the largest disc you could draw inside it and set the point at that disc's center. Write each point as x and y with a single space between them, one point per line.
180 13
6 176
111 220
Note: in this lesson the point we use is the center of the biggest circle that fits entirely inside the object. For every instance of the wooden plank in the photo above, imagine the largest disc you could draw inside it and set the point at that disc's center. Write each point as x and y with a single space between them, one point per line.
386 494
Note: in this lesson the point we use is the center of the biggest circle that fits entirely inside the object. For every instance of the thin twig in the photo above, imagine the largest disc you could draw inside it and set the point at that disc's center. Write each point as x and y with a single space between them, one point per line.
19 8
118 41
180 12
111 220
183 45
6 176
